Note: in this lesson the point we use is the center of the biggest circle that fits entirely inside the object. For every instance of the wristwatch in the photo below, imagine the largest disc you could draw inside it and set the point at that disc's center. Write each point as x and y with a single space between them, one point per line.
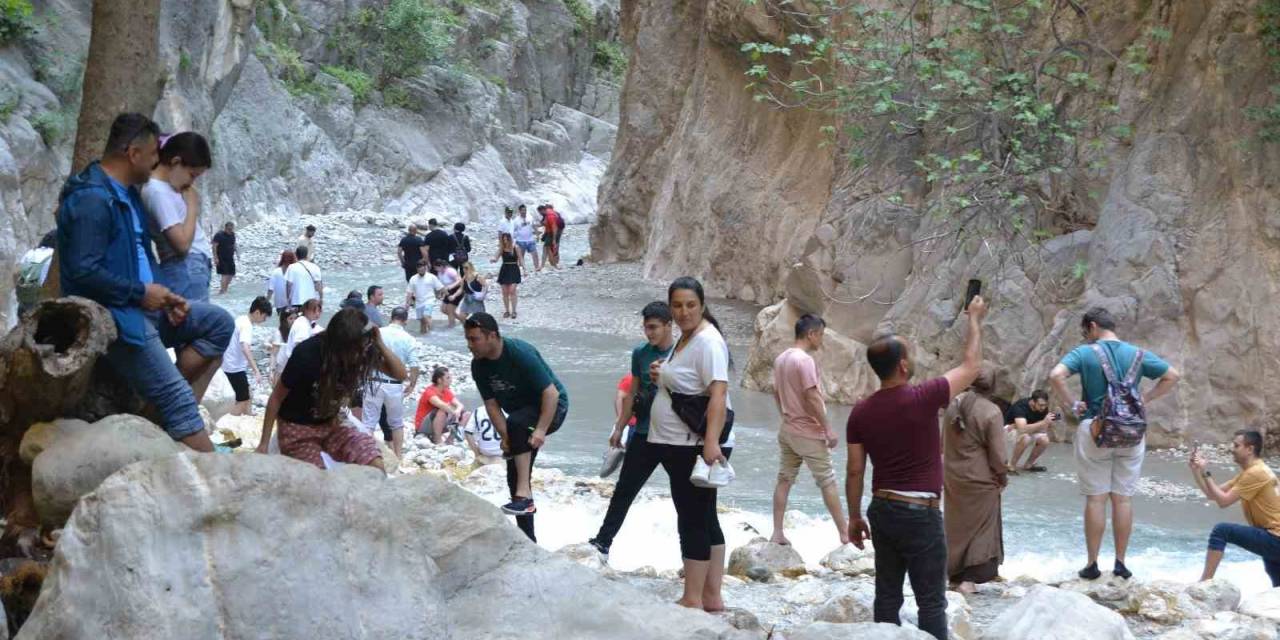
1207 474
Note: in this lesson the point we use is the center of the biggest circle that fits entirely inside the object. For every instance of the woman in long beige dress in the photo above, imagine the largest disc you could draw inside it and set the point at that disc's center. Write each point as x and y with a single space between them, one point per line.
975 474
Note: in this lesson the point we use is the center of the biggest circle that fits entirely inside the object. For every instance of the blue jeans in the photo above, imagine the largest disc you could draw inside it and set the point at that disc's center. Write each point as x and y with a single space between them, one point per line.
156 378
909 542
1257 540
188 276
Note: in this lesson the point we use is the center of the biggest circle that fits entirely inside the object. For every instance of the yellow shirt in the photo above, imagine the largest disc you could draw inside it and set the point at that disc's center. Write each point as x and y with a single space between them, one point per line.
1259 496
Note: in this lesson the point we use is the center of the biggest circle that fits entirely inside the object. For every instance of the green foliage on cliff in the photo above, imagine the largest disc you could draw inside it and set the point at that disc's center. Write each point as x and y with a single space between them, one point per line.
1002 102
610 58
583 15
1268 117
54 125
15 21
359 82
397 40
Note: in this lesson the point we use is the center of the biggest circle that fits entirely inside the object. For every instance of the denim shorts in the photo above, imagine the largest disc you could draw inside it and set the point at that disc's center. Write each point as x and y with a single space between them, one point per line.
188 277
154 376
528 247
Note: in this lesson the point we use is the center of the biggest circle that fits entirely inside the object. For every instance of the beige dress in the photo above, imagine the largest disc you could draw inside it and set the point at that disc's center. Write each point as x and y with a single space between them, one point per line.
974 462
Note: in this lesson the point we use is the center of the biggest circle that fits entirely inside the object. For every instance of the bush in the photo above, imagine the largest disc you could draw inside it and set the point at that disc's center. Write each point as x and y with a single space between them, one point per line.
9 101
414 33
53 126
610 58
583 14
15 21
397 96
359 82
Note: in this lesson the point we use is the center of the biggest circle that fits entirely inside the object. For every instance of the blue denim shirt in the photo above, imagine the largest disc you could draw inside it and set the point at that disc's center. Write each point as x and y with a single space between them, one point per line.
97 249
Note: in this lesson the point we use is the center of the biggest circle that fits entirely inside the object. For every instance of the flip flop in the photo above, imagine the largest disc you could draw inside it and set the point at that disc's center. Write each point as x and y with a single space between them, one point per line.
1035 469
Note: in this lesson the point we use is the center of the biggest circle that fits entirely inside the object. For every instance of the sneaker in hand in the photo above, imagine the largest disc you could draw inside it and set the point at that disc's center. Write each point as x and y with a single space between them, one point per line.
610 461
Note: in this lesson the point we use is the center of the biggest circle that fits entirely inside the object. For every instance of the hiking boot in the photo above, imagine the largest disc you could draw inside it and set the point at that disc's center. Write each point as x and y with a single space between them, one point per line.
520 507
599 546
1090 572
1122 571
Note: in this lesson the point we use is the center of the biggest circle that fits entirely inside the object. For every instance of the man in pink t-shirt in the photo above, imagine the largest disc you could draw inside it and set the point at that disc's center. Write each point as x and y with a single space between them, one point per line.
897 427
805 436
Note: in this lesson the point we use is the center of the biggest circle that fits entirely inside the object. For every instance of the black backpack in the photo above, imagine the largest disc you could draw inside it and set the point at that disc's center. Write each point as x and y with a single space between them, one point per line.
462 248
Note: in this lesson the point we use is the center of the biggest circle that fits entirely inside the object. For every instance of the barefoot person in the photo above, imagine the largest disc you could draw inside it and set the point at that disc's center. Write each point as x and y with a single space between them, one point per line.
1255 488
805 436
104 255
975 472
224 255
438 409
323 373
1029 420
897 428
698 367
508 274
424 288
513 379
1107 473
238 359
185 253
640 460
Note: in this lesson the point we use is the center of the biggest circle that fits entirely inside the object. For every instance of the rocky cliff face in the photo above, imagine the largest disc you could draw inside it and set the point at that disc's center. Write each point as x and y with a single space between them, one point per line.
1177 237
521 108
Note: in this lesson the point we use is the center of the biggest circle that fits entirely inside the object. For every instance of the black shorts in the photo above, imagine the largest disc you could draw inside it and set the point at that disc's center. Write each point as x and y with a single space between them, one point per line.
240 384
227 266
521 423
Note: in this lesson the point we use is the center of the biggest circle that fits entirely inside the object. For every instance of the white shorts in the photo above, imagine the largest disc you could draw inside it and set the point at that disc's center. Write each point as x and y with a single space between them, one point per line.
1103 471
380 394
424 310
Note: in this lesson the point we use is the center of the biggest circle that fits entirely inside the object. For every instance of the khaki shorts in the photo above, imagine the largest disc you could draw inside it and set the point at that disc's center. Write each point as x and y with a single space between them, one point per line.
814 453
1103 471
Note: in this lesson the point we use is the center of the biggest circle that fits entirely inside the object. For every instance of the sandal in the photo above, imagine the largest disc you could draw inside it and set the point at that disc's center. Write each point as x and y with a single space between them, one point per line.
1035 468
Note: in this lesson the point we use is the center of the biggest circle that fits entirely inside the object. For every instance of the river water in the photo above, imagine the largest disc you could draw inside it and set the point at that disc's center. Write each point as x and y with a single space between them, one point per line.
585 320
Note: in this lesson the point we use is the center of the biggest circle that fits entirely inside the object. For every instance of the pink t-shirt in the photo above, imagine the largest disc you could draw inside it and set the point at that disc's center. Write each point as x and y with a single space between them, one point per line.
794 373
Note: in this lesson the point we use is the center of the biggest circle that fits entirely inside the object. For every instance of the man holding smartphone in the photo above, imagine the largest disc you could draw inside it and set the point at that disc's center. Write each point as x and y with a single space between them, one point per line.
1030 420
1255 488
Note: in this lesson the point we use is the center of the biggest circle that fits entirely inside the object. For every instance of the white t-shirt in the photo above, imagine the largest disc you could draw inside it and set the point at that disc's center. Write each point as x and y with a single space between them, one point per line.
233 360
507 226
299 331
166 208
310 244
304 277
400 343
524 230
705 359
424 288
488 440
276 288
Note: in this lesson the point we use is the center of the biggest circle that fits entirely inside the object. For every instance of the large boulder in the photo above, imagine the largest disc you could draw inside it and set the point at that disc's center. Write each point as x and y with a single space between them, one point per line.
1168 602
70 458
857 631
1263 605
200 546
844 376
1109 591
762 554
850 561
1047 612
854 606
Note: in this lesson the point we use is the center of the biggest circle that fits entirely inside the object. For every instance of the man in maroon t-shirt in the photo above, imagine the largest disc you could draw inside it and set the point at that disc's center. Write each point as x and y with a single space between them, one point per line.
897 427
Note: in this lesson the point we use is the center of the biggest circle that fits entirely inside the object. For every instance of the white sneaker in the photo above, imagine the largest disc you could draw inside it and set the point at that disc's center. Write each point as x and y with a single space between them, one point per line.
721 474
611 460
701 473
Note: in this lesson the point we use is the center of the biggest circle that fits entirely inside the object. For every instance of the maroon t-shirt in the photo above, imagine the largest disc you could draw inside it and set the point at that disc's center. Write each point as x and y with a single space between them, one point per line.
899 429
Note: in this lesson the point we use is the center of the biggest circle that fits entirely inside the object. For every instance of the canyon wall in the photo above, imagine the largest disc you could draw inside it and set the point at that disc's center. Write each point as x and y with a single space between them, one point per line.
1179 236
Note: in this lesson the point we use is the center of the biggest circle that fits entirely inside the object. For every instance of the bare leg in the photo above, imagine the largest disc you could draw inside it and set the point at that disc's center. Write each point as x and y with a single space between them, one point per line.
695 580
1095 524
523 467
515 298
711 598
1042 443
423 325
199 441
437 426
1019 447
226 282
1211 559
520 258
397 441
197 369
831 498
537 262
780 493
966 588
241 408
1121 523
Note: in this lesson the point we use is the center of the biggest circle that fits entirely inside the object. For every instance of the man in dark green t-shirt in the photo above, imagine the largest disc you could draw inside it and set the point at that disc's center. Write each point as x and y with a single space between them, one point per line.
514 379
641 459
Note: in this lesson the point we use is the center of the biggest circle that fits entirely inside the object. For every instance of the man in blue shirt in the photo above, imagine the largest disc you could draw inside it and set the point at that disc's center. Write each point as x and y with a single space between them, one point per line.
104 255
1106 473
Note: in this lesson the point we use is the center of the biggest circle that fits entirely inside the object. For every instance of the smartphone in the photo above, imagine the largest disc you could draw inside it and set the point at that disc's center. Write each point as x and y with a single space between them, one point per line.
975 288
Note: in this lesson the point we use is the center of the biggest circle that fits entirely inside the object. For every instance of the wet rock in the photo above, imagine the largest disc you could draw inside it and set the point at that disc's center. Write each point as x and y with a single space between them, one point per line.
70 458
760 553
759 574
1108 590
1047 612
959 615
850 560
740 619
1263 605
1170 603
858 631
190 530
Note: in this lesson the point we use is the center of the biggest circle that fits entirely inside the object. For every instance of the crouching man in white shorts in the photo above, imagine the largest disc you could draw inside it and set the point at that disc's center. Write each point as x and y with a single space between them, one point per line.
1106 474
424 289
389 393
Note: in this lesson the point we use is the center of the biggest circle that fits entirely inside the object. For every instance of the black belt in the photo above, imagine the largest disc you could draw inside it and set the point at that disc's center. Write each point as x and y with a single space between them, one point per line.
387 380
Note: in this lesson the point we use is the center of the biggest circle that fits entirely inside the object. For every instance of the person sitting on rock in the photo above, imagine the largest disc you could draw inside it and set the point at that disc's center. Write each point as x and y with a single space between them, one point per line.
105 256
1255 488
1029 420
514 380
438 409
324 372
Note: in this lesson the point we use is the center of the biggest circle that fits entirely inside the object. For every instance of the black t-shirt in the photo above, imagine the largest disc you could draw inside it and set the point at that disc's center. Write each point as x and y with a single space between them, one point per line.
412 246
439 245
226 243
1022 409
302 377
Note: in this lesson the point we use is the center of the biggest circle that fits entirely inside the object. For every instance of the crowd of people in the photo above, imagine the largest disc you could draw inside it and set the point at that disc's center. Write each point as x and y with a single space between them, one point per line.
941 442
